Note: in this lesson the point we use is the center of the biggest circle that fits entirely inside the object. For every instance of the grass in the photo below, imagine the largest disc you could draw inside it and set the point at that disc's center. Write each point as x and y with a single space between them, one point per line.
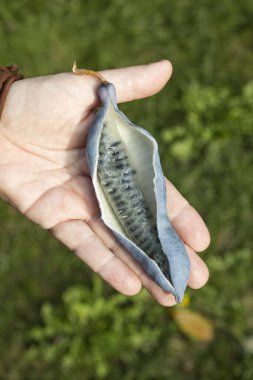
51 324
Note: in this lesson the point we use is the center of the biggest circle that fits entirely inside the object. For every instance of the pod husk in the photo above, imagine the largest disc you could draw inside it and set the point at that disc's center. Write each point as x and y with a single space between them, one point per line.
172 245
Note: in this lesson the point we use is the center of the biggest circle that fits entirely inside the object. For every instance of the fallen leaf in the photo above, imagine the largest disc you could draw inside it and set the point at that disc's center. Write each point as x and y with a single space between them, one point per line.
186 301
194 324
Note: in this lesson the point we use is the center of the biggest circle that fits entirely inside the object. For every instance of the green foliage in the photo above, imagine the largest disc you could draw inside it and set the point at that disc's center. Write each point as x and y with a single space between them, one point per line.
210 116
58 321
93 332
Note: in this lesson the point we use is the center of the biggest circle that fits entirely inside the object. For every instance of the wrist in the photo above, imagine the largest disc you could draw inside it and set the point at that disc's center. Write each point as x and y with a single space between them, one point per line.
6 161
8 75
3 161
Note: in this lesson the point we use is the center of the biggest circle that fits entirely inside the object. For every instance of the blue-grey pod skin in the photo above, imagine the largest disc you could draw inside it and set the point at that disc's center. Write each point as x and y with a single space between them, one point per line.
172 246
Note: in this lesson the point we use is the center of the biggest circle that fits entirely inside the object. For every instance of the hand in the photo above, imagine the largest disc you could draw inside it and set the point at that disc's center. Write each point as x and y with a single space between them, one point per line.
44 172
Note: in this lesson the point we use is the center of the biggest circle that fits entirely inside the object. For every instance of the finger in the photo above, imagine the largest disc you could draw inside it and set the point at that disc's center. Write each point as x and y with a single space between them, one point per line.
131 83
79 237
198 270
138 82
186 220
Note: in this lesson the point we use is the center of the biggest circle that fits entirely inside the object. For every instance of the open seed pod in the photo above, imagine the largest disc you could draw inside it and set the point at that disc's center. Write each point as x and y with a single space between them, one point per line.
130 188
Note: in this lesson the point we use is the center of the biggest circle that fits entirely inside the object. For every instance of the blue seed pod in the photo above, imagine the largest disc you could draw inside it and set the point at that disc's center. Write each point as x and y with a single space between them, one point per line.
129 183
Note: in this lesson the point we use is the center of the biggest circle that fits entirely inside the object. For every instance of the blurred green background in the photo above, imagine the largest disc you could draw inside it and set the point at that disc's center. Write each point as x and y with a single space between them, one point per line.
57 319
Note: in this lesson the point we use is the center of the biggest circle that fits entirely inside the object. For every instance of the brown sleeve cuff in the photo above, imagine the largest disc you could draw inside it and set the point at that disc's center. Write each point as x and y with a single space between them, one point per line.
8 75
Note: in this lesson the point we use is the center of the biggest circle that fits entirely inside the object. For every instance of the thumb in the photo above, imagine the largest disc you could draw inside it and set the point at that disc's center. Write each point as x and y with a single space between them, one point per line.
138 82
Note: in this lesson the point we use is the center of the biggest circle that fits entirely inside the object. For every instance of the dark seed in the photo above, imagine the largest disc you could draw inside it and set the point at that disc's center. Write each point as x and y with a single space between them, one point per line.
129 172
119 166
133 195
116 143
113 190
128 187
137 235
120 203
116 197
126 180
116 152
147 246
122 211
107 184
129 222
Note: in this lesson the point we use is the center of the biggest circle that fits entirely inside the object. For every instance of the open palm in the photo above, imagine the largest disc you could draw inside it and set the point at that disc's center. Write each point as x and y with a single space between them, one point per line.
44 172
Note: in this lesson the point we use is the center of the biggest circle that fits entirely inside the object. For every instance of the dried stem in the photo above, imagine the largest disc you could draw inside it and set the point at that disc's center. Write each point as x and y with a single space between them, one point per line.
88 72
